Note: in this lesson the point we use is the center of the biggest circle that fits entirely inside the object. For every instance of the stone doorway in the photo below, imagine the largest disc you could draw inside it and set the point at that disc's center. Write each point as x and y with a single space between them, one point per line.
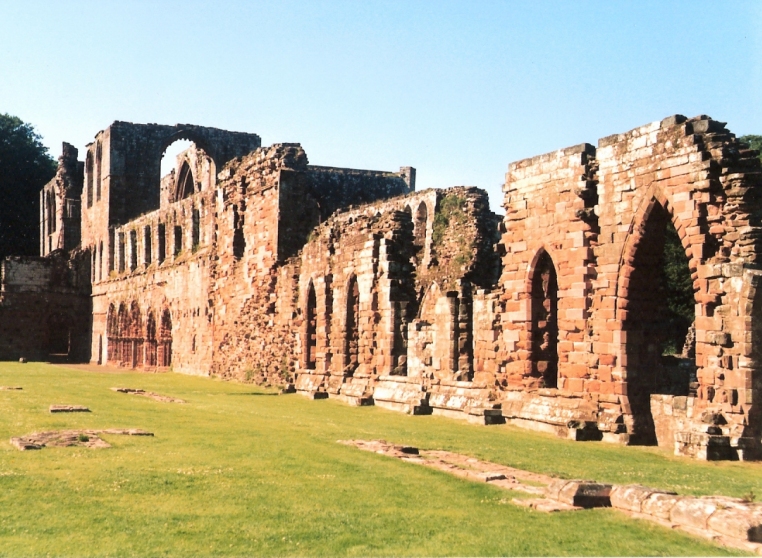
657 313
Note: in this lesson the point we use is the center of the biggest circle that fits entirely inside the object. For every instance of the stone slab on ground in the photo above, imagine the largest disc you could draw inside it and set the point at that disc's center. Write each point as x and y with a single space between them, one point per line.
149 394
68 409
66 438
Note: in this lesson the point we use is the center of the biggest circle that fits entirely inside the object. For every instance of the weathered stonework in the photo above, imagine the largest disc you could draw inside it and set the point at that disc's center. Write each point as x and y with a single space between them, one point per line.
247 262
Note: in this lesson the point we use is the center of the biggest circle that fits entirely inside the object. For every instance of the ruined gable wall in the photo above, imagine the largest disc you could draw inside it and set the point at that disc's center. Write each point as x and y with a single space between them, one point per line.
253 294
60 219
708 184
135 152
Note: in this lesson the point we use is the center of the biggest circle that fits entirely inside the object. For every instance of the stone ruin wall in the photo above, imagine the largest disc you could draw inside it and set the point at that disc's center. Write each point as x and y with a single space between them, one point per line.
348 284
581 251
44 311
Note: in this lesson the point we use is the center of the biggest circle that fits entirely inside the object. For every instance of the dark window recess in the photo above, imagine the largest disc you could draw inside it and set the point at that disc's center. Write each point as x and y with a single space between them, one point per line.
239 241
162 242
133 250
122 249
147 245
195 231
178 239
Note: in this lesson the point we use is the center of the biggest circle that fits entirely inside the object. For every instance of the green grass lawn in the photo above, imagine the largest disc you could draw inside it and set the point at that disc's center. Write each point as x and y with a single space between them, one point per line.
237 471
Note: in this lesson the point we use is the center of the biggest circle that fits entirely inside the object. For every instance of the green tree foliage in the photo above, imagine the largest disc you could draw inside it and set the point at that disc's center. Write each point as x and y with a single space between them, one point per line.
25 167
755 142
677 285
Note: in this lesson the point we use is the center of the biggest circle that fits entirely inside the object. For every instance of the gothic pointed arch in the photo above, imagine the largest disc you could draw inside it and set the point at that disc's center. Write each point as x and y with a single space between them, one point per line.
185 184
655 326
543 284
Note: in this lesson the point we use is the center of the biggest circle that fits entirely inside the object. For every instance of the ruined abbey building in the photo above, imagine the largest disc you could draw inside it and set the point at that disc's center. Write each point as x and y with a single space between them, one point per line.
248 262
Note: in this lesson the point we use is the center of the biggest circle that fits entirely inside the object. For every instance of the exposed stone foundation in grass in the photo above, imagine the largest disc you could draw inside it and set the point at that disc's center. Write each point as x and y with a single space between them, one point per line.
66 438
728 521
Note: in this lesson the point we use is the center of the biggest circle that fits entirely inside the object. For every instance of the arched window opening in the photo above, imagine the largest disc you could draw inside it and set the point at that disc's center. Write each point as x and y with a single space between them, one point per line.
185 169
111 248
178 239
89 175
112 332
162 234
164 351
53 210
185 186
133 250
658 310
172 154
122 249
195 229
147 245
311 330
136 336
100 262
122 333
239 241
150 348
352 349
545 321
98 165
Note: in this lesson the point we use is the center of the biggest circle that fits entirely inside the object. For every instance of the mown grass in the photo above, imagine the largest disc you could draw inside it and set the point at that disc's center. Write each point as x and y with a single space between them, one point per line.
237 472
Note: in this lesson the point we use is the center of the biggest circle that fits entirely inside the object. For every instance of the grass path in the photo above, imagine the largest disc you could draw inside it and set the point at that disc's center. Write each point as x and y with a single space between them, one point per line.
236 471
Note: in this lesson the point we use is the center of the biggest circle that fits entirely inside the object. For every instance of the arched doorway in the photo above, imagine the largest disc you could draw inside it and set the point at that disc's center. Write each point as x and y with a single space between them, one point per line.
657 309
544 327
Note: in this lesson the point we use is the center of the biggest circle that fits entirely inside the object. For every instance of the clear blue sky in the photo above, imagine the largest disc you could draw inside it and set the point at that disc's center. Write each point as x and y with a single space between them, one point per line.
456 89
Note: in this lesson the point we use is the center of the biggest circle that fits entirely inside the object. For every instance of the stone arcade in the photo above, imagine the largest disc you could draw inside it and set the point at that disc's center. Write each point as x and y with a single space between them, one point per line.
249 262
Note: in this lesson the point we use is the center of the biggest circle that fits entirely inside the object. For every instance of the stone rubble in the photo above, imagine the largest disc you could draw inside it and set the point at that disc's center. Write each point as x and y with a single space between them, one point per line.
66 438
149 394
